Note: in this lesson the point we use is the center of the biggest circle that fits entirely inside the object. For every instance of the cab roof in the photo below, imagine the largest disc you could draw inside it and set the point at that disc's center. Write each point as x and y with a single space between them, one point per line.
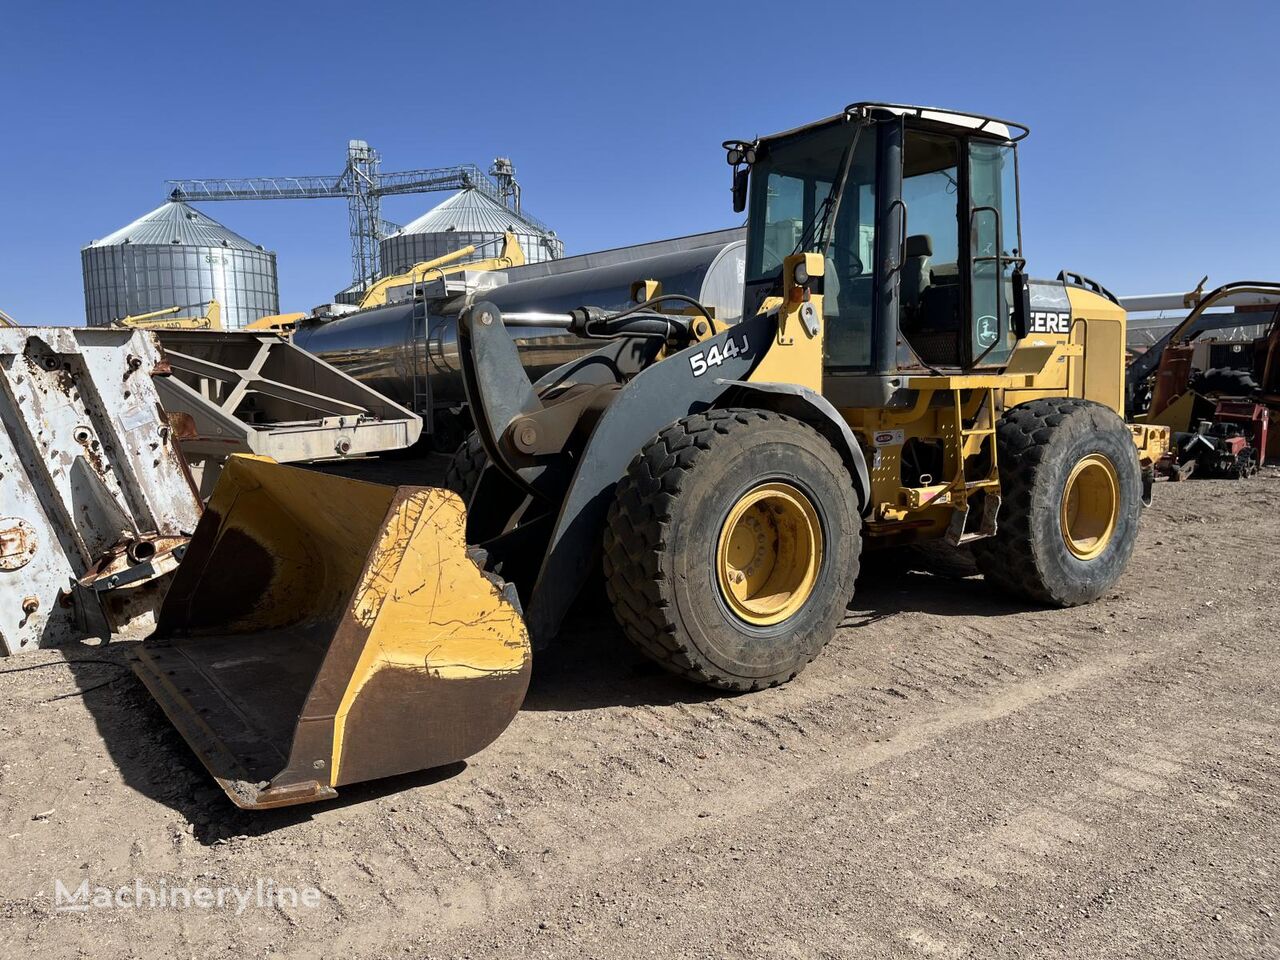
1006 130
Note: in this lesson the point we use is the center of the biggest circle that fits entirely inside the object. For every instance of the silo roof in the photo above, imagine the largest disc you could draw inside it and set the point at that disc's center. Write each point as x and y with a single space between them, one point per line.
174 222
470 211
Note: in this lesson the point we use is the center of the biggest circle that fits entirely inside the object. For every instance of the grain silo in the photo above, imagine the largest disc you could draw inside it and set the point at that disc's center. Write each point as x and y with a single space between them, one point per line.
468 217
175 256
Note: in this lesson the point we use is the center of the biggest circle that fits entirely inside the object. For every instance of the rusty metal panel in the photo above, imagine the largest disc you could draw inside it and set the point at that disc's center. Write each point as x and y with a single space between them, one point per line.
258 393
89 470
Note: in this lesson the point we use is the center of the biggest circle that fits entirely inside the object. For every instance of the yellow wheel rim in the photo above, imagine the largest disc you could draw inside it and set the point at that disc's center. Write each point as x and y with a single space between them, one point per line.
1090 506
769 554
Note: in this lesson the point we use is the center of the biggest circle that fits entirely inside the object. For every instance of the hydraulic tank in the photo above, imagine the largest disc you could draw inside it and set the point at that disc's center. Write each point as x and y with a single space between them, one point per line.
408 351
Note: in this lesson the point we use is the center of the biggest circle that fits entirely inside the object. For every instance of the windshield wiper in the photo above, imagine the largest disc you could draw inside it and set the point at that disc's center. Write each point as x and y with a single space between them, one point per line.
822 226
817 224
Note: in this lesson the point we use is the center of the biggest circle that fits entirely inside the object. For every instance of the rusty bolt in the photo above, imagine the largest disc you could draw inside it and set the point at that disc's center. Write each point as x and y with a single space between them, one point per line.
30 605
342 447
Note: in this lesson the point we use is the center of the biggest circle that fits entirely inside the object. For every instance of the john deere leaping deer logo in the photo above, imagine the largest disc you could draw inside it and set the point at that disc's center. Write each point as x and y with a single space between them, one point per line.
987 331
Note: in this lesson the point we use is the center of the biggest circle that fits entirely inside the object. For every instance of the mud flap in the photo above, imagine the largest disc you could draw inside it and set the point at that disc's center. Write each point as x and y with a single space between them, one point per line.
323 631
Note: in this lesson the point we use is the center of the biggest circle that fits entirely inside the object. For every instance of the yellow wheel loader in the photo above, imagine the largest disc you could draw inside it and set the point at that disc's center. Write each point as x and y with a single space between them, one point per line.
210 318
897 378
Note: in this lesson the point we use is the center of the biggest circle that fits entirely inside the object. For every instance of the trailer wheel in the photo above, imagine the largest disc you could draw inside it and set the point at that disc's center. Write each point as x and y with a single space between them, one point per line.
468 462
732 547
1072 493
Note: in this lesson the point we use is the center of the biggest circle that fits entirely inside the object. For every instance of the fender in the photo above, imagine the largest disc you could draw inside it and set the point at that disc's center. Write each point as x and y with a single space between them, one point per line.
811 407
687 382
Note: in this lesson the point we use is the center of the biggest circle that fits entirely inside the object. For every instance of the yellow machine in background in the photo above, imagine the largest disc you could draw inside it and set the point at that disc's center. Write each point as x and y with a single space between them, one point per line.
456 261
897 378
281 323
512 255
6 320
171 319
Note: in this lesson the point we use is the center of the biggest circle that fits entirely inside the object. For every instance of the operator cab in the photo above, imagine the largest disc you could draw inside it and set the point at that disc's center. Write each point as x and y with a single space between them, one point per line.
915 211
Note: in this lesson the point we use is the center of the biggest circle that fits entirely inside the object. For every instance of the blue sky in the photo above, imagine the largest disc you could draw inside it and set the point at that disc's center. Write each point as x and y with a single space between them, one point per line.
1151 159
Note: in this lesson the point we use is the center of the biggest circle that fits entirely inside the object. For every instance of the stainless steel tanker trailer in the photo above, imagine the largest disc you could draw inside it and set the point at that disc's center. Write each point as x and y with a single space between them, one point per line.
408 350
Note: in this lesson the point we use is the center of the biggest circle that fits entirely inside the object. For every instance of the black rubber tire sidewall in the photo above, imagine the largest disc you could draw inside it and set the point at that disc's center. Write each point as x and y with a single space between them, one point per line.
464 470
1224 381
1053 574
1083 580
740 462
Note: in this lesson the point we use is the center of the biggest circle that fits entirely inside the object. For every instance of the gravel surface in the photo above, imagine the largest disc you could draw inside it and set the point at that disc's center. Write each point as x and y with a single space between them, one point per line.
958 775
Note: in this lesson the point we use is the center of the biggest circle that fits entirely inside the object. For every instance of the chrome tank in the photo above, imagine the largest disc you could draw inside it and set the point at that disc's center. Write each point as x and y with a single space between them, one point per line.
385 349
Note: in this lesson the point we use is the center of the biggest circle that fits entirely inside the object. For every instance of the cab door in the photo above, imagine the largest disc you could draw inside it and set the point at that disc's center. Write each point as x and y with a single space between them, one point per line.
995 250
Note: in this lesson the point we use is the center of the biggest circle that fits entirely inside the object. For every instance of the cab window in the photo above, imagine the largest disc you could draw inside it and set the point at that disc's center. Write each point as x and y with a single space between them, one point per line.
931 287
994 249
792 190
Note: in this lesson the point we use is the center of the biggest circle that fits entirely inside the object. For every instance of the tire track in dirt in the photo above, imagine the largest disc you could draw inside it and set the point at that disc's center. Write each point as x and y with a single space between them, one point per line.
618 836
929 748
1037 839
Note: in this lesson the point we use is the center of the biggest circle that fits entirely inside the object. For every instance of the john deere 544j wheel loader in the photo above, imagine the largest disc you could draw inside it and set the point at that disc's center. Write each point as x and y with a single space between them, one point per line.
896 378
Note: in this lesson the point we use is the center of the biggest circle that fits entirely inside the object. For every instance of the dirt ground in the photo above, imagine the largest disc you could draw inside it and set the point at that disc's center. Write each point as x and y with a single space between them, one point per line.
958 775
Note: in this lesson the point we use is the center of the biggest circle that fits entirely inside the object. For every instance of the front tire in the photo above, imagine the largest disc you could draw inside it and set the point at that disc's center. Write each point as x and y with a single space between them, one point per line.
468 463
1072 494
732 547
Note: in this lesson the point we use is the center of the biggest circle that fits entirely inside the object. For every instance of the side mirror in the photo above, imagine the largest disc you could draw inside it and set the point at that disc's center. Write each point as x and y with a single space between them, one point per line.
1020 308
741 176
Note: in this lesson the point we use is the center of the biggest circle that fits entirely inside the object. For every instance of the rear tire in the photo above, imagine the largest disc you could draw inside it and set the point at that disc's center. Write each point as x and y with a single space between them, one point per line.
759 483
1072 494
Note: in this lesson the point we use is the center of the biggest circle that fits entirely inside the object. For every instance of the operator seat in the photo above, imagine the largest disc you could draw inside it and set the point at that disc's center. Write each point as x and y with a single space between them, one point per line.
930 317
847 307
915 270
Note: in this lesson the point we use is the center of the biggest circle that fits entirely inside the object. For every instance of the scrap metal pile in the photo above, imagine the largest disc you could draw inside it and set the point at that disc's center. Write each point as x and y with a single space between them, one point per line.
1218 397
96 503
113 437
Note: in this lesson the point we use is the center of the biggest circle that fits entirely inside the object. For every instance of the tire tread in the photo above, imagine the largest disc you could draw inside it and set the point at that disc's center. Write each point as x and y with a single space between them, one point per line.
636 533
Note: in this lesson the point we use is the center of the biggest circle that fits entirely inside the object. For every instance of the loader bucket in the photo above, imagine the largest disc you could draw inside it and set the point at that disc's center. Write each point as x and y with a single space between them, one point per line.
322 631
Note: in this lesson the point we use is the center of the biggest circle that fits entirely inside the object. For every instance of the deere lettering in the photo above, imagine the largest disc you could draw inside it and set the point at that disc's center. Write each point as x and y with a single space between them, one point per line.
1049 321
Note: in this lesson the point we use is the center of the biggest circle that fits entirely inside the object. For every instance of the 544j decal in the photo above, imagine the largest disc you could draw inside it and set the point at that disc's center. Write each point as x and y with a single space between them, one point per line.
704 360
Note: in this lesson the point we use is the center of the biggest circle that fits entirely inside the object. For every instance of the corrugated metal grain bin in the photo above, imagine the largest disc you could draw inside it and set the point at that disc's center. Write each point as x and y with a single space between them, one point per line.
467 217
175 256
